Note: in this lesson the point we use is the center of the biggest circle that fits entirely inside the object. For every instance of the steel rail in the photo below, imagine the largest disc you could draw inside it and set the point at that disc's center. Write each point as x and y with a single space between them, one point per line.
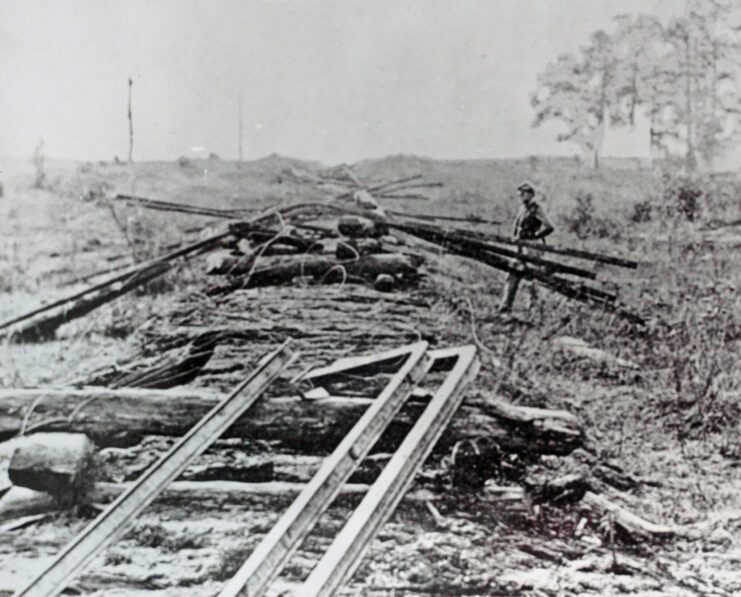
270 556
345 552
126 277
106 527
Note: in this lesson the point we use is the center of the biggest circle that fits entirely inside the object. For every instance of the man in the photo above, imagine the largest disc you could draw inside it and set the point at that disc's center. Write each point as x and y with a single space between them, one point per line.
531 224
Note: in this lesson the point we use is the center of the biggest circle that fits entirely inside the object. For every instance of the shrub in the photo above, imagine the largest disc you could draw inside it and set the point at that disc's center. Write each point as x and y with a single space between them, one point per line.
642 212
681 195
584 223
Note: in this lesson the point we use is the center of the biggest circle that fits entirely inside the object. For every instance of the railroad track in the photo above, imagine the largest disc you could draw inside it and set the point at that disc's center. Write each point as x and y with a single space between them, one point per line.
412 363
114 519
345 553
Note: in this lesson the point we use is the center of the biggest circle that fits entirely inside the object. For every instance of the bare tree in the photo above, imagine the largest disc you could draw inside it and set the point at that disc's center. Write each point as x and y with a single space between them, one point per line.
39 181
581 93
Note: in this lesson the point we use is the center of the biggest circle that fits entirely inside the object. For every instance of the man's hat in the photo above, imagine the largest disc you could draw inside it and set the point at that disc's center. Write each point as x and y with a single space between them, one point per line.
526 186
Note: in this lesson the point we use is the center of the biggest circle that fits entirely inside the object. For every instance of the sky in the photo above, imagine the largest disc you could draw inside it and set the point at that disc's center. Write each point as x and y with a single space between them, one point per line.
333 81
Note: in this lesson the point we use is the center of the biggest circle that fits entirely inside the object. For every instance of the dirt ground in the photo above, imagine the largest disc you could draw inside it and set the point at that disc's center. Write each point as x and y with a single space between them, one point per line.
661 408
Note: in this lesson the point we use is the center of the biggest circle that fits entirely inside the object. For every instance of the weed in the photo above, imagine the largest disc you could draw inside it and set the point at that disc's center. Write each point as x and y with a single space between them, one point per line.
231 561
185 163
642 212
584 223
155 535
116 558
681 195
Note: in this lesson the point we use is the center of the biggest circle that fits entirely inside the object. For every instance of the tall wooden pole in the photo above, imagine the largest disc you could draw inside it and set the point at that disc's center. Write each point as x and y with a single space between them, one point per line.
239 101
131 126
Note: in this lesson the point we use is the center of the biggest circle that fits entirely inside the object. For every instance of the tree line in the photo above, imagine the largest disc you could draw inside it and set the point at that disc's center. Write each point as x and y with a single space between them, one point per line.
682 76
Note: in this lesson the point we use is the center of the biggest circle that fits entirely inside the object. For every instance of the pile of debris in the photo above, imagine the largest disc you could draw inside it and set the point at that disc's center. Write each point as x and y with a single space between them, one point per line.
380 415
333 425
349 238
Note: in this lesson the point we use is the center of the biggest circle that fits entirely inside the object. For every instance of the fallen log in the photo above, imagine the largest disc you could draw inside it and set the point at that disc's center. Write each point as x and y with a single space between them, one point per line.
352 249
274 237
20 502
227 460
580 349
554 421
358 227
312 426
367 267
286 269
56 463
628 522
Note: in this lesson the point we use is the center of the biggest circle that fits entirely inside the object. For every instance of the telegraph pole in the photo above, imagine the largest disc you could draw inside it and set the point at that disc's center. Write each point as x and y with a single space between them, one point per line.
239 102
131 126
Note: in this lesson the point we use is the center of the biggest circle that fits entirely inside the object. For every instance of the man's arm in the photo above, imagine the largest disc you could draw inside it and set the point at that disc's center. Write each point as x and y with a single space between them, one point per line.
516 227
546 228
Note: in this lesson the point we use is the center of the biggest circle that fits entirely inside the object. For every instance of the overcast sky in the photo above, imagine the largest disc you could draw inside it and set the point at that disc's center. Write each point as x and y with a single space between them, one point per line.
332 80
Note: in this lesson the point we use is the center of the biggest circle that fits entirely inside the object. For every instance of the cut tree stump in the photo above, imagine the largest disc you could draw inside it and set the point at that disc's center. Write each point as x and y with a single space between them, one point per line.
56 463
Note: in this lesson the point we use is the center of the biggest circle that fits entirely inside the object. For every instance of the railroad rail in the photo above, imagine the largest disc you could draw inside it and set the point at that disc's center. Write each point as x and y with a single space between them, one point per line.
270 556
410 364
114 519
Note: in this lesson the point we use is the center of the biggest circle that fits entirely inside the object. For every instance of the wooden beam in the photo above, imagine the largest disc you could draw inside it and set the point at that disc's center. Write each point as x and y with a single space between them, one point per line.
121 417
474 248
